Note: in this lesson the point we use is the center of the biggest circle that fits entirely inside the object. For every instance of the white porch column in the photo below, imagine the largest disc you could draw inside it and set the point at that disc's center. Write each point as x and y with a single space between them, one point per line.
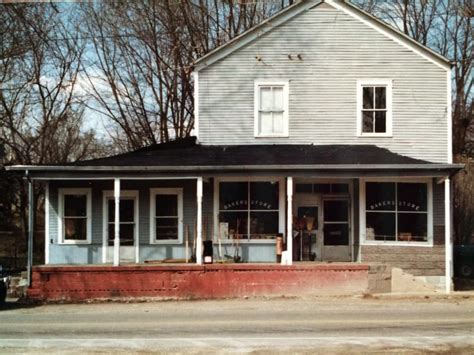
117 222
31 216
199 221
289 222
47 240
447 236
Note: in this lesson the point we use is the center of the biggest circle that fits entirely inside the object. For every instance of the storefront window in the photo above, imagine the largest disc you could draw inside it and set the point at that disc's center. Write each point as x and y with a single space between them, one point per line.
396 212
248 210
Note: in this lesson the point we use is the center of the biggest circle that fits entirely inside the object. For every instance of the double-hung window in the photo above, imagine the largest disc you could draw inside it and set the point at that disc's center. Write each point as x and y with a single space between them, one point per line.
271 109
374 108
74 216
166 209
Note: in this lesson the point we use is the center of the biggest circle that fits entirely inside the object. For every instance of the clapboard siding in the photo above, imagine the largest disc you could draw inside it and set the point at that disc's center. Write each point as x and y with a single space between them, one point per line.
337 50
92 253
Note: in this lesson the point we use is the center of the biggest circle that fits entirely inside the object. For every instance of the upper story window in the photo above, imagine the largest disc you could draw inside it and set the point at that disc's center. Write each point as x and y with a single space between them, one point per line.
271 108
74 216
374 106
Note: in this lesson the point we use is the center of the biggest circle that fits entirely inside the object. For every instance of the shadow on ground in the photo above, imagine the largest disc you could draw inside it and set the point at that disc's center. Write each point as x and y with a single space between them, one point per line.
17 303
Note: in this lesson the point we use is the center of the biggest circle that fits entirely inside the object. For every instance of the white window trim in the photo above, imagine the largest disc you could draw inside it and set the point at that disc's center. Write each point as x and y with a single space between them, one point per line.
166 191
74 191
285 84
108 194
362 212
389 100
281 207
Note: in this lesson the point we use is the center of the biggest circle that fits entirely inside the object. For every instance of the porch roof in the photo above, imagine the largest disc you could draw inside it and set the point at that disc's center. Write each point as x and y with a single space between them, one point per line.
187 156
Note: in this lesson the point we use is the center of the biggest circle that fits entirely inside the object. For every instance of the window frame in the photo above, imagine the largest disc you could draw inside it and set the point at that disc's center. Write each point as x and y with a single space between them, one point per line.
166 191
362 213
127 194
62 192
257 85
387 83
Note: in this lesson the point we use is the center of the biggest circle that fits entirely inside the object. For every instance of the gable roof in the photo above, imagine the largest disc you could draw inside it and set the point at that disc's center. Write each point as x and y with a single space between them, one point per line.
297 8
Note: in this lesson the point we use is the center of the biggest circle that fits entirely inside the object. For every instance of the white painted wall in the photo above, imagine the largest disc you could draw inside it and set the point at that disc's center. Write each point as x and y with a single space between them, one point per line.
337 50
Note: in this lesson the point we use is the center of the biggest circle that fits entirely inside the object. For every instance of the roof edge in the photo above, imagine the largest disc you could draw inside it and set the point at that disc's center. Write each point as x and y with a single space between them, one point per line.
417 166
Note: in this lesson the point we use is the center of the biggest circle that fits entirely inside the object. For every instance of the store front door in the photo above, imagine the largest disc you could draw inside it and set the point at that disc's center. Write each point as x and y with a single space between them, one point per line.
336 230
307 236
321 228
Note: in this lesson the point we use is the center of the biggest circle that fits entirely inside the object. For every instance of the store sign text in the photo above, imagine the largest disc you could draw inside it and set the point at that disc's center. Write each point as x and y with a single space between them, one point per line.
391 203
244 203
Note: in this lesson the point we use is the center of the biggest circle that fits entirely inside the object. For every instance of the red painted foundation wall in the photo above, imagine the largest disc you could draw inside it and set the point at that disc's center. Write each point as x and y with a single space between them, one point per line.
78 283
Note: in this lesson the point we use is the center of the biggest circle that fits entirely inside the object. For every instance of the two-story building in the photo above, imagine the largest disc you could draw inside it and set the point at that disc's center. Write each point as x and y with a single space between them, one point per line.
322 125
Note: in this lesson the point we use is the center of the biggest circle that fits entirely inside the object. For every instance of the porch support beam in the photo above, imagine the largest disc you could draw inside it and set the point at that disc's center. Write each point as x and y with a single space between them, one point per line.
199 221
289 222
31 214
447 236
47 240
117 222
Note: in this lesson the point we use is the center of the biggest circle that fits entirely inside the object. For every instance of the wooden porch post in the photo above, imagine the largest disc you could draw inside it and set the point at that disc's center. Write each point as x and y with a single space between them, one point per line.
47 240
289 222
448 247
117 222
199 221
31 214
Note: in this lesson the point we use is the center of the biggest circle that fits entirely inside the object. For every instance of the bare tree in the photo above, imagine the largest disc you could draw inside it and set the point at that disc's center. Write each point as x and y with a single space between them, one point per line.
140 73
41 113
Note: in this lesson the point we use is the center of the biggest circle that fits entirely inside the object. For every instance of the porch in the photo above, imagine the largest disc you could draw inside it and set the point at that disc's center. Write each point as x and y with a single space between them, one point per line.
322 203
241 220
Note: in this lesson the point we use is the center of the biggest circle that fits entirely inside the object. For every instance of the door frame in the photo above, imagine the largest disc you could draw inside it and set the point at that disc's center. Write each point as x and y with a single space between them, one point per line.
349 196
124 194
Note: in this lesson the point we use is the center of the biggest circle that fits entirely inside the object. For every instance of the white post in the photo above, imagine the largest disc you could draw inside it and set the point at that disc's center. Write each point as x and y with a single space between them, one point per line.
46 224
447 236
199 221
117 222
289 222
31 216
